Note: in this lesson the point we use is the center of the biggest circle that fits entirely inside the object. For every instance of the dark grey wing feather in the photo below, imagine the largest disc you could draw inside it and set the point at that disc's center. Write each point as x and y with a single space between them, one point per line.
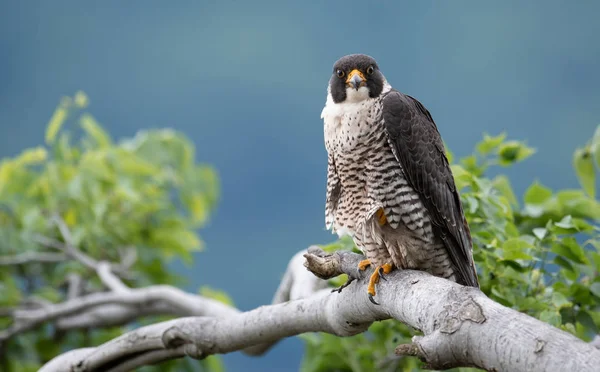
418 147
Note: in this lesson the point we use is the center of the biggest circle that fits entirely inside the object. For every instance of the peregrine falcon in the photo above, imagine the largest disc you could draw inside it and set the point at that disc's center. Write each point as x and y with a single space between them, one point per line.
389 184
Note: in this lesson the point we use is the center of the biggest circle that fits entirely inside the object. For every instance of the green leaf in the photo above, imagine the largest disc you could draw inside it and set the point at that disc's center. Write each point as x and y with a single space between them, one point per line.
584 168
130 163
514 265
81 99
564 263
472 204
570 249
551 317
490 143
595 145
175 241
55 123
565 223
198 208
515 247
513 151
559 300
501 298
595 289
537 194
502 184
587 321
32 156
462 177
470 164
95 131
540 233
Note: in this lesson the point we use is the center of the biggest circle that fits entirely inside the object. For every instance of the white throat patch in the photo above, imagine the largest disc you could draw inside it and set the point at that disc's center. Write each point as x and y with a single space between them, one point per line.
354 96
355 112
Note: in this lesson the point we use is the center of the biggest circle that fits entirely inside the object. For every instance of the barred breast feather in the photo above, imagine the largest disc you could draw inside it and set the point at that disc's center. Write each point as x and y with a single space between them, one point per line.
386 154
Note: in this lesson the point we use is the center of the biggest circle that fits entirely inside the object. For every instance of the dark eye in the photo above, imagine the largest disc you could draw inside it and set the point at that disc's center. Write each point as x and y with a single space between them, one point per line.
370 70
340 73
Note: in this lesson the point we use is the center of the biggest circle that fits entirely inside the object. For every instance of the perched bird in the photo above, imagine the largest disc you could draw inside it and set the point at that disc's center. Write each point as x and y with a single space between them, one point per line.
389 184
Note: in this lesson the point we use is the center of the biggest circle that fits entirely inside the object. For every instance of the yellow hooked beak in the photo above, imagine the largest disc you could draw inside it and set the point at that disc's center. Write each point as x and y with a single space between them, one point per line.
356 79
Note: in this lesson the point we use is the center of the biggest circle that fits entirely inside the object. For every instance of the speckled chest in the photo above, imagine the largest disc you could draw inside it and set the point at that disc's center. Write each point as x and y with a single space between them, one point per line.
352 127
369 174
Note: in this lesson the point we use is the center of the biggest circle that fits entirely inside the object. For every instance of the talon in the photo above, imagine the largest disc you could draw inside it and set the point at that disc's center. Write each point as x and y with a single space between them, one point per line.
381 272
372 300
371 288
339 289
377 274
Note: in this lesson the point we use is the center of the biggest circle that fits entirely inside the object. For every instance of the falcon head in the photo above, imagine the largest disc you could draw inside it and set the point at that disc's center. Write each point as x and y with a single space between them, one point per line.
356 77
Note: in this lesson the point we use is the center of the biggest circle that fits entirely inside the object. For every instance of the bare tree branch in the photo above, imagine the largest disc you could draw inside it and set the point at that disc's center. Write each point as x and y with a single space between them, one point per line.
31 257
74 282
122 305
461 326
111 281
179 301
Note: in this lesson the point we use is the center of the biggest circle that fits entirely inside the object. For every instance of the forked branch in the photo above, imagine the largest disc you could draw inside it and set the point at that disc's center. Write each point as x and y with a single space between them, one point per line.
460 325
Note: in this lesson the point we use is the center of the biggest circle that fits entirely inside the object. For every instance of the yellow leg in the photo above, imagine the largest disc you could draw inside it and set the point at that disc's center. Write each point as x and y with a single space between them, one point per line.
381 217
372 281
380 270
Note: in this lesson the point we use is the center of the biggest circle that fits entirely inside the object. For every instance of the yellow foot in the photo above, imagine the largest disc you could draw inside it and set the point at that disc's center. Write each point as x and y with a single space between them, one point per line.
362 265
377 274
381 216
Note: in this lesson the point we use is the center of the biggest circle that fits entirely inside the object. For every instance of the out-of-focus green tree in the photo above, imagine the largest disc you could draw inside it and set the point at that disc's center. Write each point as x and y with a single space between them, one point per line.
143 197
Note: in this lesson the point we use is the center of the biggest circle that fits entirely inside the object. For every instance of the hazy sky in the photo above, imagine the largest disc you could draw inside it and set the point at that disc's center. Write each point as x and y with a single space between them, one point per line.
246 81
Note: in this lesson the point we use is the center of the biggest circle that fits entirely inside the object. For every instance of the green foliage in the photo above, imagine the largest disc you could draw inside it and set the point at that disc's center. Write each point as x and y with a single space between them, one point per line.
585 160
146 192
539 254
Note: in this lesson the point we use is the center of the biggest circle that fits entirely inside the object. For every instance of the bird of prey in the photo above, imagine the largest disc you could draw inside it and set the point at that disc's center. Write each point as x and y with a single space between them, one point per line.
389 184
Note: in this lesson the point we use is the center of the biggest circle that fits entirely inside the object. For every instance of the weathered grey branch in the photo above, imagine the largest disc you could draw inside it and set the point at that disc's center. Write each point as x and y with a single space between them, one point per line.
461 326
74 285
180 302
31 257
111 281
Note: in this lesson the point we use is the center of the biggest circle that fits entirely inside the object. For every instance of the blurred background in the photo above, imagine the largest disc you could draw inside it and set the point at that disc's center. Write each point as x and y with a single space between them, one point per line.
247 82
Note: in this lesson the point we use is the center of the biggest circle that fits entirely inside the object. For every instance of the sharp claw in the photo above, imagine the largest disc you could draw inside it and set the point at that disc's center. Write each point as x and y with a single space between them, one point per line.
381 273
339 289
372 299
